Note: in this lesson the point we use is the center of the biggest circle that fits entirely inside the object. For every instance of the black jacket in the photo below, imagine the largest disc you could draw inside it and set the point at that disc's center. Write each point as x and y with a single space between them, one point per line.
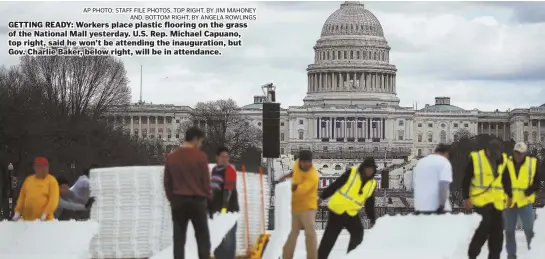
224 189
339 182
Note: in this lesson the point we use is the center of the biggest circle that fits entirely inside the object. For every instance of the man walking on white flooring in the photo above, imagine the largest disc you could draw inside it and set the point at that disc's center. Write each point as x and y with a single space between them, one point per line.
431 182
187 188
304 203
525 181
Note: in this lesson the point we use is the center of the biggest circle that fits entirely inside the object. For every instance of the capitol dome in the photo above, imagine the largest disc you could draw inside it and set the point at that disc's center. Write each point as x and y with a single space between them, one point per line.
352 19
351 62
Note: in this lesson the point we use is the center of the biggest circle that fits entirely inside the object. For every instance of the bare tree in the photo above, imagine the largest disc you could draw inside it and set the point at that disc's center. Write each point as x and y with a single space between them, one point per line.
224 125
81 85
462 134
537 150
456 197
32 124
461 149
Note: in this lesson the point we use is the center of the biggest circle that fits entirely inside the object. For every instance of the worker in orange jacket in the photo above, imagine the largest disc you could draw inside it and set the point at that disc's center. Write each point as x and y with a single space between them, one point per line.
304 203
39 196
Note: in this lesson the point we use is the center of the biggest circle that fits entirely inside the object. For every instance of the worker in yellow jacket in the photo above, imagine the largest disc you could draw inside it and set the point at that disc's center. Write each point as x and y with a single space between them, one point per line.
349 193
524 173
39 196
304 203
486 187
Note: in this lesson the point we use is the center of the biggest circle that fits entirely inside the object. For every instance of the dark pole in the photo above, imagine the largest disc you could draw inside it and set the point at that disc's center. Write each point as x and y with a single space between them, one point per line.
11 190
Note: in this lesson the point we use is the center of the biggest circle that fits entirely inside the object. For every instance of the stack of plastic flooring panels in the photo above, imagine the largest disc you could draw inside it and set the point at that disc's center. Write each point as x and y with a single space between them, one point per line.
255 218
135 218
132 211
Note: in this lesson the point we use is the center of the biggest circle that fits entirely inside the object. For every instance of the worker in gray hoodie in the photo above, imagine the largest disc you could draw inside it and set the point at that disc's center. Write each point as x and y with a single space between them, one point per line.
66 205
80 191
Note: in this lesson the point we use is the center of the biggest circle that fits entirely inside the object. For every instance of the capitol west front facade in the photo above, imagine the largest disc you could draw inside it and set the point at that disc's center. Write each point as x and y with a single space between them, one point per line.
351 107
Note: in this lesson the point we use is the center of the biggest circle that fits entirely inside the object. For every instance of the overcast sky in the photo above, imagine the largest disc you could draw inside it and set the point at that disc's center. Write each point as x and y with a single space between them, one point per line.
487 55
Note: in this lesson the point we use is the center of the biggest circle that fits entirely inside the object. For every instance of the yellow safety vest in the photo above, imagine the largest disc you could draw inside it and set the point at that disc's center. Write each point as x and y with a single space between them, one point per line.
485 189
525 179
348 198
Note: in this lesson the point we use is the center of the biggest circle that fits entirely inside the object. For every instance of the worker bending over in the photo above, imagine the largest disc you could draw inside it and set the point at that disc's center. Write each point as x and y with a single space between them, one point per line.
525 182
484 187
39 196
349 193
304 203
66 205
80 192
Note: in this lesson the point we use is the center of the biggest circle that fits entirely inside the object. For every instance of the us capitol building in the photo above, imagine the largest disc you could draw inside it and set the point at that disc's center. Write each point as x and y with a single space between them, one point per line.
351 108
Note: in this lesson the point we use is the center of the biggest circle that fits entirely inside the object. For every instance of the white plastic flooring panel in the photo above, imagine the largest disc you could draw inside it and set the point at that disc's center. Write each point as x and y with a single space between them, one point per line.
339 250
219 226
134 215
282 221
538 244
46 240
408 236
412 236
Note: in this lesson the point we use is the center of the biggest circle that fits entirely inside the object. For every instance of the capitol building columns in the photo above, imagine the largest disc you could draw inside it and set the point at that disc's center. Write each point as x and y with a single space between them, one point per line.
351 74
539 127
351 129
139 127
498 129
350 81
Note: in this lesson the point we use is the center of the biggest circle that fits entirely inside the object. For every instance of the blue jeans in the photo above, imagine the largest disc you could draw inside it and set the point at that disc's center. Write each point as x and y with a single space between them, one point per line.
510 217
228 247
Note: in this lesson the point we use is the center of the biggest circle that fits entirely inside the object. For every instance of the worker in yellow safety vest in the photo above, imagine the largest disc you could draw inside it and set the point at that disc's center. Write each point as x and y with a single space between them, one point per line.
349 193
485 187
525 182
